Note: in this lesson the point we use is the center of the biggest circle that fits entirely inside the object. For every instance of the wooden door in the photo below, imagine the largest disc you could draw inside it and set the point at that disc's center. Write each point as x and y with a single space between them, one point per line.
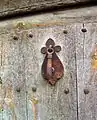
24 94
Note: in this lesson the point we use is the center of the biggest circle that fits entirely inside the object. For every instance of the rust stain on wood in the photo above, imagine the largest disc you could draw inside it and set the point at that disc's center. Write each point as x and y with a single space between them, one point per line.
94 59
28 25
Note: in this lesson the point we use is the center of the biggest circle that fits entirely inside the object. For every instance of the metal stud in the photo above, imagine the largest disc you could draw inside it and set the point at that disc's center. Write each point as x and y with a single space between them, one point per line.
15 37
66 91
34 89
84 30
18 90
65 32
30 35
86 91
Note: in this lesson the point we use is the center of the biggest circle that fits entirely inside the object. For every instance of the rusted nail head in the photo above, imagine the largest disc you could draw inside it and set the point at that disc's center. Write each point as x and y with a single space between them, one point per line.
34 89
86 91
65 32
84 30
18 90
30 35
15 37
66 91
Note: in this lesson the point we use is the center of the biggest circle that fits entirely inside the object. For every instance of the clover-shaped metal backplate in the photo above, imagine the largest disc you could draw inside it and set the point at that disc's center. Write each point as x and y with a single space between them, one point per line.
52 68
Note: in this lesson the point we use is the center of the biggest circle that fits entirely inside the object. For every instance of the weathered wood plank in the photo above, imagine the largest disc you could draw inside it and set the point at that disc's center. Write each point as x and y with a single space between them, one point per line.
20 57
86 72
13 78
8 7
50 19
21 68
1 95
53 103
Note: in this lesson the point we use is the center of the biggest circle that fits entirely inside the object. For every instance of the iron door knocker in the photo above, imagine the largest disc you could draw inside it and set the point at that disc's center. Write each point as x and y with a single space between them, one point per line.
52 68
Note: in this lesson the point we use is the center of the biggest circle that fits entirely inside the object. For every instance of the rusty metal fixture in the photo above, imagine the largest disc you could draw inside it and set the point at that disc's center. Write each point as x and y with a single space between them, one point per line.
84 30
86 91
34 89
65 32
66 91
15 37
18 90
30 35
52 68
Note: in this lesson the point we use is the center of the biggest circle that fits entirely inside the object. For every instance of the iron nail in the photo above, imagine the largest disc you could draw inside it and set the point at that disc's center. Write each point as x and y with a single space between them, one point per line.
18 90
66 91
15 37
84 30
65 32
30 35
34 89
86 91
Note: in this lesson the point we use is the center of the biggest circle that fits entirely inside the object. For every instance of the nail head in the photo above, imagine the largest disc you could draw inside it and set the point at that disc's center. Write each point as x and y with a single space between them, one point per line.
15 37
34 89
86 91
66 91
18 90
30 35
84 30
65 32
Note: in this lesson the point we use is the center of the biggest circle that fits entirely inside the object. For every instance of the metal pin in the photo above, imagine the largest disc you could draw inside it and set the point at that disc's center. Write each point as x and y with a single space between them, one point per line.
84 30
66 91
65 32
30 35
18 90
34 89
86 91
15 37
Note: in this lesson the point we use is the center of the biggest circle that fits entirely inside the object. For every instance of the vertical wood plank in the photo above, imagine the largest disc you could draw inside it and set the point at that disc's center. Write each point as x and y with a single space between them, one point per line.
21 70
52 102
86 75
6 113
13 77
1 96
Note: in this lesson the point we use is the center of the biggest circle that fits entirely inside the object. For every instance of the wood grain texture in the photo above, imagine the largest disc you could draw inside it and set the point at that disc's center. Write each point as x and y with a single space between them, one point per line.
11 7
21 68
53 103
13 77
50 19
87 103
21 60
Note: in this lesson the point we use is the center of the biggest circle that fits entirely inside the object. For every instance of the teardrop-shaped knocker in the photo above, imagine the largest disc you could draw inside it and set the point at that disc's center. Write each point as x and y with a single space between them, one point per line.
52 68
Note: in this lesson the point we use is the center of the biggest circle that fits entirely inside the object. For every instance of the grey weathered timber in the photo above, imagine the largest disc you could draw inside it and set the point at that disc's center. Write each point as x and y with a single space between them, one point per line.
53 103
21 60
13 78
86 71
82 15
21 69
11 7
